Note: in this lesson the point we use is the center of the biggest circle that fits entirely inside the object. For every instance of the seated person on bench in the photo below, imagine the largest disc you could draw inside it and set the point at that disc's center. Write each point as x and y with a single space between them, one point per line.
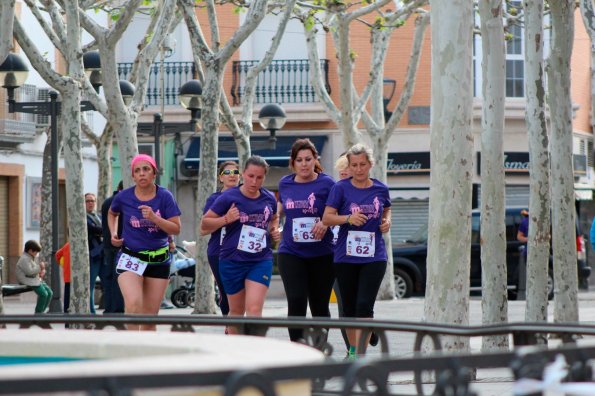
30 273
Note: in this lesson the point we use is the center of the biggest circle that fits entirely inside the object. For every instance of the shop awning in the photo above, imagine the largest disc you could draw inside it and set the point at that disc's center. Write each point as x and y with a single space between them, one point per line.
583 194
407 194
279 156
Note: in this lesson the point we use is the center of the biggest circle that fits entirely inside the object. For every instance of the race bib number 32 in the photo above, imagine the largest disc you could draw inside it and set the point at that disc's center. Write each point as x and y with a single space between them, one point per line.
360 244
252 239
302 229
132 264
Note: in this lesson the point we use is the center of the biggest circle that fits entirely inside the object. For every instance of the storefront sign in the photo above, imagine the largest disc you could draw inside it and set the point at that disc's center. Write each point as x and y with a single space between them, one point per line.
514 162
408 163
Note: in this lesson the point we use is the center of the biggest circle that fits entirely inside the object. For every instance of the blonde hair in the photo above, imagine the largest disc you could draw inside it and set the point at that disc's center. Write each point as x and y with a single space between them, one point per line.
342 163
358 149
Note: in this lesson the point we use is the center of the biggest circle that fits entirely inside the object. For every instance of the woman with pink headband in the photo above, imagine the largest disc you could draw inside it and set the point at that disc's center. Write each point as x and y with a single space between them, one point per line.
150 215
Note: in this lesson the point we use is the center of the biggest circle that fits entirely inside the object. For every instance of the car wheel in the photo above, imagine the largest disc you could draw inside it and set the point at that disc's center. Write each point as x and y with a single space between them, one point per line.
403 284
550 286
178 298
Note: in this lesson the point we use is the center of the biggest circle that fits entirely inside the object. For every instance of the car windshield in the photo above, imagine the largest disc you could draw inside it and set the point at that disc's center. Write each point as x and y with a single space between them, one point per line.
419 236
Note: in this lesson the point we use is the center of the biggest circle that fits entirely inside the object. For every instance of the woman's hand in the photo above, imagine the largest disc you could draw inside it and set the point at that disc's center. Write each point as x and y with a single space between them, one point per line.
358 219
233 214
117 242
319 230
385 225
275 234
146 211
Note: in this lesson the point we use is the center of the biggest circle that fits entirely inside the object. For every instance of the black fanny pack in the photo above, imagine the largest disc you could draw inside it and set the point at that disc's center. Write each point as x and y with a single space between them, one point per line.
154 257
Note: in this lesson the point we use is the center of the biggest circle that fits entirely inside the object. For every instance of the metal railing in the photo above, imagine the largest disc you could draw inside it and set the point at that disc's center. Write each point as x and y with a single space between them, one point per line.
451 371
282 81
175 74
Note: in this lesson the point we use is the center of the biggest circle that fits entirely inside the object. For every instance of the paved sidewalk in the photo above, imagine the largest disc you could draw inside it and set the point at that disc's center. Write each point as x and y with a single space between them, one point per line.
489 381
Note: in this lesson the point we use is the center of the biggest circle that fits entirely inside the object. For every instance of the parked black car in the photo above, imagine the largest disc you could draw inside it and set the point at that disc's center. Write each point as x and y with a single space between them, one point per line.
410 258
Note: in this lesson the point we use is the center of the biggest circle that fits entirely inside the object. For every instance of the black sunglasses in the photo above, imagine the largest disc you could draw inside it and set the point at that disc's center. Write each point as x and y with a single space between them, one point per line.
228 172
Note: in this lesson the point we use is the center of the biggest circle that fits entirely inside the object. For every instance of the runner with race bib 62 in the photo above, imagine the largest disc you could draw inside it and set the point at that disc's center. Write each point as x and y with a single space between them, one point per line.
361 206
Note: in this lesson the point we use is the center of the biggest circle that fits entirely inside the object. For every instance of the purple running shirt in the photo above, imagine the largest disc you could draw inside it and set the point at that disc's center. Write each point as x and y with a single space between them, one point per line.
246 239
138 233
360 245
303 204
215 241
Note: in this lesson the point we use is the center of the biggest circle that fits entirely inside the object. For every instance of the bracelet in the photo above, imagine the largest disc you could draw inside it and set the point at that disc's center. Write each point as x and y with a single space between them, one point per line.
225 219
348 220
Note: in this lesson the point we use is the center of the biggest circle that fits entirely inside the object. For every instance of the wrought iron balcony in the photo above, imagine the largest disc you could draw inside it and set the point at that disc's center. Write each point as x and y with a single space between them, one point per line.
175 74
283 81
23 128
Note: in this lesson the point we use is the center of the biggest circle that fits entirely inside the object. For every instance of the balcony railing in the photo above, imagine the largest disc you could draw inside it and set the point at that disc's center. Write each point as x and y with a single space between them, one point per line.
175 74
283 81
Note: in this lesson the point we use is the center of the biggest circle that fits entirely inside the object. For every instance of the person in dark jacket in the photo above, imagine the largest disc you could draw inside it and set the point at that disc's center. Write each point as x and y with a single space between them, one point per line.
113 301
94 235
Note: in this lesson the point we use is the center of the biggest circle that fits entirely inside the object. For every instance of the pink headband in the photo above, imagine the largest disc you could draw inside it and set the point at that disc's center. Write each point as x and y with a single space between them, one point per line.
143 157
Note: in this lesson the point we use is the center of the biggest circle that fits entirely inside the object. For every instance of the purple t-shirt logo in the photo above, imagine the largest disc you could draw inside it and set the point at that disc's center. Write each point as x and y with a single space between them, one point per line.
372 211
260 220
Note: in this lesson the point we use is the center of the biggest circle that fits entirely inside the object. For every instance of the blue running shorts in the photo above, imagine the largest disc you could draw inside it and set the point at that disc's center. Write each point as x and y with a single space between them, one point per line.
235 273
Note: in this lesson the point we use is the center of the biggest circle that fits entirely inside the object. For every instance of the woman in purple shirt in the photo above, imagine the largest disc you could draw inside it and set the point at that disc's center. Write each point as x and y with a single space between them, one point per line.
149 216
229 176
249 215
305 253
361 206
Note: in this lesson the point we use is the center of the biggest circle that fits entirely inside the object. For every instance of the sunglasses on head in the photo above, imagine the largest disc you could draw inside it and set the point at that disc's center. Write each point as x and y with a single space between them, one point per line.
228 172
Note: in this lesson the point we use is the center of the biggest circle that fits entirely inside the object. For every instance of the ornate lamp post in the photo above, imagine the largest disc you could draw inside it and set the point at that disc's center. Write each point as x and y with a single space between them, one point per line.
388 91
191 99
13 73
272 117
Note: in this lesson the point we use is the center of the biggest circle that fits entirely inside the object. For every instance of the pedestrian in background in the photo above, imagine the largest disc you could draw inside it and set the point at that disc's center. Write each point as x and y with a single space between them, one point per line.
150 214
63 258
30 272
113 302
361 206
305 256
95 241
229 176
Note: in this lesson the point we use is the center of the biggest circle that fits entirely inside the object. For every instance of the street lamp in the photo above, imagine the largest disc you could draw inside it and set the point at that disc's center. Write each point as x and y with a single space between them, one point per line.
13 73
92 65
272 117
127 91
388 90
191 99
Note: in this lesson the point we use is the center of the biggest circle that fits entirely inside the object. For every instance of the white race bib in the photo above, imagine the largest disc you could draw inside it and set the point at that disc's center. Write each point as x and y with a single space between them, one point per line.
132 264
302 229
252 239
223 232
360 244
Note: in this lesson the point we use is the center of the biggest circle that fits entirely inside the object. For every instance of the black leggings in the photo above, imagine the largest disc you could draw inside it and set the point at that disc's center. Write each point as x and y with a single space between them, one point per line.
223 304
359 285
306 281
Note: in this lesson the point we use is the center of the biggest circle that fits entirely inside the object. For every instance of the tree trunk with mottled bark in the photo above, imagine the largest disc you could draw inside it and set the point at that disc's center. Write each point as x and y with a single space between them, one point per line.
451 153
538 255
494 302
214 58
6 22
563 210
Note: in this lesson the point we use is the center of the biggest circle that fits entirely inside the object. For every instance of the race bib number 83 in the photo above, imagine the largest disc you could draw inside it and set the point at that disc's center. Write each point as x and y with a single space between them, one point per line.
132 264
